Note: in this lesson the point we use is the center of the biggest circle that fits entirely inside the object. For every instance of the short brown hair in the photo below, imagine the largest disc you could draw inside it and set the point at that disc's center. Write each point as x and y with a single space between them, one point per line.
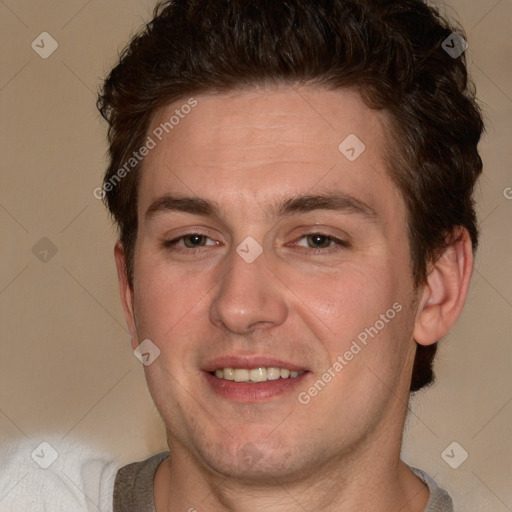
390 50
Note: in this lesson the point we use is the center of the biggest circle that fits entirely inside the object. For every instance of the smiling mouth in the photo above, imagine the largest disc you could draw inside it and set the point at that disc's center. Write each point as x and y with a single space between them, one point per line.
253 375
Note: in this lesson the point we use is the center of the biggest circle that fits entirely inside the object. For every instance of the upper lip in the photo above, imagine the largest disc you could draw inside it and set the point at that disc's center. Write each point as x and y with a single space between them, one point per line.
249 362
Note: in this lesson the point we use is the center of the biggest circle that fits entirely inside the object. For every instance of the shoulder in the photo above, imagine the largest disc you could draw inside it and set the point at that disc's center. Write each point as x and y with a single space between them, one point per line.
440 500
134 485
35 474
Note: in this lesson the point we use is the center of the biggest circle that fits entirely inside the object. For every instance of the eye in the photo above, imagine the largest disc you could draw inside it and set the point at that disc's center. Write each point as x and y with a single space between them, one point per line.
320 241
190 241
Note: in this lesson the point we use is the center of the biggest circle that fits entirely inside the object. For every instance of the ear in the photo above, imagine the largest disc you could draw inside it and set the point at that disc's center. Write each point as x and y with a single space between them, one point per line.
444 294
126 292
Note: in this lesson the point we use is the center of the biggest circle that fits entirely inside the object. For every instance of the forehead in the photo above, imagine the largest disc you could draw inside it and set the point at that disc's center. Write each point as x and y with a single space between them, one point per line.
260 143
253 117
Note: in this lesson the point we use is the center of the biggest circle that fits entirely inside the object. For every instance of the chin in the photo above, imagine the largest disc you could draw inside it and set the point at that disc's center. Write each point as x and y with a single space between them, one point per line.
257 462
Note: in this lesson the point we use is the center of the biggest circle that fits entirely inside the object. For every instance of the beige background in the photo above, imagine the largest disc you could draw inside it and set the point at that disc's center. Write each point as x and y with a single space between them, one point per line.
67 369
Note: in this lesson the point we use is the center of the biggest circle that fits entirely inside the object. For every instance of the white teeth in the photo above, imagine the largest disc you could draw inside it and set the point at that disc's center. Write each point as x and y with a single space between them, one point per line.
227 373
273 373
241 375
260 374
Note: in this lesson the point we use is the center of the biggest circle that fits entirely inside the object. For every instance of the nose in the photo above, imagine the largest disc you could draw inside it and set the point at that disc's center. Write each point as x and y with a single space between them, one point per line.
249 296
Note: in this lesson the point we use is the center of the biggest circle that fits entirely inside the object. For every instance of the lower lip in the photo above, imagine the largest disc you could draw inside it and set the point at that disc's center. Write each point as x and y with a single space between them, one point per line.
252 392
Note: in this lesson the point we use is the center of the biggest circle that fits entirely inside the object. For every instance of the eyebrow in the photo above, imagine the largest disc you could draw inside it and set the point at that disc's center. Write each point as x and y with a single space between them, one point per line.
334 201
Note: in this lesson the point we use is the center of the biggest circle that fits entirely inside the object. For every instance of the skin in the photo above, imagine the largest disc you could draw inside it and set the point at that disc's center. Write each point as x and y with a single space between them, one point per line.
245 151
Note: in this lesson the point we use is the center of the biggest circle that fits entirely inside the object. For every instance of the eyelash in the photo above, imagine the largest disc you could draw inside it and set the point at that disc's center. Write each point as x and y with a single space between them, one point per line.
172 245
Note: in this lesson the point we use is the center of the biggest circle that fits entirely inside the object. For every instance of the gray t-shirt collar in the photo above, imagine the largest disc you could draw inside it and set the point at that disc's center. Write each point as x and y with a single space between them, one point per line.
133 488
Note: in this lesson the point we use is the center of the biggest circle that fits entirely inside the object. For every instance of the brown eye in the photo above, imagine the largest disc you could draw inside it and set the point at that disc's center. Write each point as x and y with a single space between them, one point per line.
194 240
319 241
189 241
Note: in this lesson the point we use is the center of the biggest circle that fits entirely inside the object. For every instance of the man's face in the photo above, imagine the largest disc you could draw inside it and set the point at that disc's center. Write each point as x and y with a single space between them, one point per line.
267 279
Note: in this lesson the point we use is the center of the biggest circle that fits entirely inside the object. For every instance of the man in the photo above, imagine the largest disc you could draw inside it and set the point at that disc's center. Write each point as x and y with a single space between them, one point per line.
293 183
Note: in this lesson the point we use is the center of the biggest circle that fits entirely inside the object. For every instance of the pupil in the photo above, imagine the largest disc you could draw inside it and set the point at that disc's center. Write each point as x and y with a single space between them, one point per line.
194 240
319 240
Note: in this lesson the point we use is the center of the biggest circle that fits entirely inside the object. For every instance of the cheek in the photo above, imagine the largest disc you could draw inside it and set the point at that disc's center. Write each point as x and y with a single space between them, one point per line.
162 298
347 299
359 314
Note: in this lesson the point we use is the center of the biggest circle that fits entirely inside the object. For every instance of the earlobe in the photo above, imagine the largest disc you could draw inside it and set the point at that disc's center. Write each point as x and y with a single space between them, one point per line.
126 292
445 291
